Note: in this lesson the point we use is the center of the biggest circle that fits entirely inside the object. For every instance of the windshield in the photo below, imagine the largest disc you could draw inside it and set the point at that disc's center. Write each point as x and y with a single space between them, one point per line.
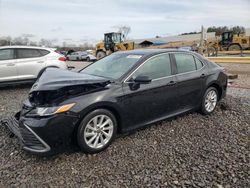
112 66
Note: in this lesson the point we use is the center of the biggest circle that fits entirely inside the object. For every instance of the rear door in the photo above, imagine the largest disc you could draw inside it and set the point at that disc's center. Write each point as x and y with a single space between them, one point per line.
84 55
8 69
190 77
29 62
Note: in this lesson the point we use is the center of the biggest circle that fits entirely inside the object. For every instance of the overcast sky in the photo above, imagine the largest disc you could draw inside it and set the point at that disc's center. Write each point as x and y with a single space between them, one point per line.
87 20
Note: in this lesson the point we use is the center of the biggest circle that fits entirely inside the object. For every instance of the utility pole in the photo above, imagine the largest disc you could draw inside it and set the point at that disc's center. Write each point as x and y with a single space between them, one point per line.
201 46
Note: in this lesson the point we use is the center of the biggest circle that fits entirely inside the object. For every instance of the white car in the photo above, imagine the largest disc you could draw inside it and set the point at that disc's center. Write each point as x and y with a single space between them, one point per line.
26 63
81 56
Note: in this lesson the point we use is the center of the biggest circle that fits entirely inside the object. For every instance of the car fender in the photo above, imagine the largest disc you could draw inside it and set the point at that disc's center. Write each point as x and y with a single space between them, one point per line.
111 106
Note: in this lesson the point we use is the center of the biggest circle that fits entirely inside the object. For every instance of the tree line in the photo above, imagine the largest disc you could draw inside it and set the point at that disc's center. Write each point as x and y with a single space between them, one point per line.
219 30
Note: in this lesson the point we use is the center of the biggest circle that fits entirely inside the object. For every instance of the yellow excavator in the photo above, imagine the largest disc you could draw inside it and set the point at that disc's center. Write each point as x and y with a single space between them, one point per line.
112 43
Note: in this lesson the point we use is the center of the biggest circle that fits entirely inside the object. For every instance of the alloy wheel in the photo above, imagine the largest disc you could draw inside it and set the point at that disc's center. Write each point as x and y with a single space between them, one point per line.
98 131
210 101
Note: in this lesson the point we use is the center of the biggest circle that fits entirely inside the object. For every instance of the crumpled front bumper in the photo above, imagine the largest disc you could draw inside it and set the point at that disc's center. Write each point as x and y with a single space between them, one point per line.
43 136
29 140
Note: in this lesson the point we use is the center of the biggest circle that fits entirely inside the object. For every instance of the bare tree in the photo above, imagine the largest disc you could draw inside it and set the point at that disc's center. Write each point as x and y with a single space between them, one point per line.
5 41
45 42
124 30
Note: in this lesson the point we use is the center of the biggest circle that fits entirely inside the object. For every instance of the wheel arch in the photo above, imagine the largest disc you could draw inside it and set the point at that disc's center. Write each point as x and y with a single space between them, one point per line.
107 106
216 86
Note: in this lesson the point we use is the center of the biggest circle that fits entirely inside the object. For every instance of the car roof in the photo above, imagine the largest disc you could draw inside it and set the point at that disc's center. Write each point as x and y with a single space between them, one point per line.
28 47
151 51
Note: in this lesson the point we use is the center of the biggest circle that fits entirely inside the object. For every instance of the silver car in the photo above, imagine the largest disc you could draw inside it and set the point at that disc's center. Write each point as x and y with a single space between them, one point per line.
26 63
81 55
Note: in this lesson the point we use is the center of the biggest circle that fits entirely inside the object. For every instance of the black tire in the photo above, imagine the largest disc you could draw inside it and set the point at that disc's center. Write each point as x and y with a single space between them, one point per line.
234 47
88 59
100 55
203 105
81 131
77 58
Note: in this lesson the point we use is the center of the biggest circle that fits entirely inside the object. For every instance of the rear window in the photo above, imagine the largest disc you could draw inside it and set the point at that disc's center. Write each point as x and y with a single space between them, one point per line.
199 64
30 53
44 52
6 54
185 62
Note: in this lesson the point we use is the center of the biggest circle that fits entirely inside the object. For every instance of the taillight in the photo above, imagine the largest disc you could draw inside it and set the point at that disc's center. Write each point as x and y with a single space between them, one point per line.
62 59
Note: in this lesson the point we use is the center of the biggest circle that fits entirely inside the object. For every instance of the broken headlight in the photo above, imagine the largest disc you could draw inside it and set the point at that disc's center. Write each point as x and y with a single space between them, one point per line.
47 111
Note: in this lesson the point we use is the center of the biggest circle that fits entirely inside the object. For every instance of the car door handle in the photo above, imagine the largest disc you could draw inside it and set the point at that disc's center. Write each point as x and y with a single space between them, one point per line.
171 83
202 75
10 64
40 61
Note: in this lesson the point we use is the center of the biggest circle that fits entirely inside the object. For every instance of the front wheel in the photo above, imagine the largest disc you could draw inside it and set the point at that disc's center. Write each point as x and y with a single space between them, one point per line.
234 47
100 55
96 131
209 100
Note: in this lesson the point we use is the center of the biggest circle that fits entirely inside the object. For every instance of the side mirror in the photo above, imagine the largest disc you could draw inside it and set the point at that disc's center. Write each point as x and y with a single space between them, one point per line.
142 79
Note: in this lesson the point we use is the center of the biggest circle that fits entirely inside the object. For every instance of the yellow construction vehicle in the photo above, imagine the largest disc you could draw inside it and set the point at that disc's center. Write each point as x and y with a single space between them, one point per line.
229 42
112 42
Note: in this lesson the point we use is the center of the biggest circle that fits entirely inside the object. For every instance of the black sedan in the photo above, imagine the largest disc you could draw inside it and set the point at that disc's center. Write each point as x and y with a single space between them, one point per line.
119 93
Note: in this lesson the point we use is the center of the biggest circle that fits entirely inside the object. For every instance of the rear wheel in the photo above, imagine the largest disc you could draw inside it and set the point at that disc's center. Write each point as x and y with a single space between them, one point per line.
96 131
209 100
88 59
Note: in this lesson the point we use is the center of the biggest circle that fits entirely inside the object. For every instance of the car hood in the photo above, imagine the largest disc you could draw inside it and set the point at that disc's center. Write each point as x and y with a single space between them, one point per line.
54 78
56 85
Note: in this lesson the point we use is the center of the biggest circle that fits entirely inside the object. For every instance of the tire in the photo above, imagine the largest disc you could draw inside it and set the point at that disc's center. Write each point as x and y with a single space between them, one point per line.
90 138
210 97
100 55
88 59
234 47
77 58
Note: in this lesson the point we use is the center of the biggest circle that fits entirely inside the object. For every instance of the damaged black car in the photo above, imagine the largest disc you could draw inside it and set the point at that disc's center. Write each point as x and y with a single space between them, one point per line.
119 93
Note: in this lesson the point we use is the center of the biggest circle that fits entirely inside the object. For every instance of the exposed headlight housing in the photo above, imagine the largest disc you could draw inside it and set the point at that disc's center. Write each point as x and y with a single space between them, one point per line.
47 111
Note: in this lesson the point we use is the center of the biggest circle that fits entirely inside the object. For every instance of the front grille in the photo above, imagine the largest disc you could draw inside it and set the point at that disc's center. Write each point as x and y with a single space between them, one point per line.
30 140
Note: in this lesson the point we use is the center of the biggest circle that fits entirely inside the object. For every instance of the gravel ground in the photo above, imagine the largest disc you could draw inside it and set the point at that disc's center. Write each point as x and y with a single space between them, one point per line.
188 151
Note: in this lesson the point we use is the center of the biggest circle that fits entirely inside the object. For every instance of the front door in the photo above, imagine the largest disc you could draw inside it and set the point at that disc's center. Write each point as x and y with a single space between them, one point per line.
149 102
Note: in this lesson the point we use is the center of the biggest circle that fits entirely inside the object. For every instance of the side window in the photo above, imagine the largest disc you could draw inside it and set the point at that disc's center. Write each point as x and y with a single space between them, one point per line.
184 62
44 52
199 64
6 54
28 53
156 67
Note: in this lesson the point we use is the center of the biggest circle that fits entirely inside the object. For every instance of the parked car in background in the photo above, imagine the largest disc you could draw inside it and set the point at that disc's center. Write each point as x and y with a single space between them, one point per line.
119 93
88 56
81 55
26 63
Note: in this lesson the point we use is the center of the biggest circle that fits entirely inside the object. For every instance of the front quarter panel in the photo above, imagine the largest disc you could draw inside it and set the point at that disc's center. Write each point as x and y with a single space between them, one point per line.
110 98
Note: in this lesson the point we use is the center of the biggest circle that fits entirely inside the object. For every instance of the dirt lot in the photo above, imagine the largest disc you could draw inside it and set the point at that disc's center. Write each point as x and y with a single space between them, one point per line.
243 71
188 151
